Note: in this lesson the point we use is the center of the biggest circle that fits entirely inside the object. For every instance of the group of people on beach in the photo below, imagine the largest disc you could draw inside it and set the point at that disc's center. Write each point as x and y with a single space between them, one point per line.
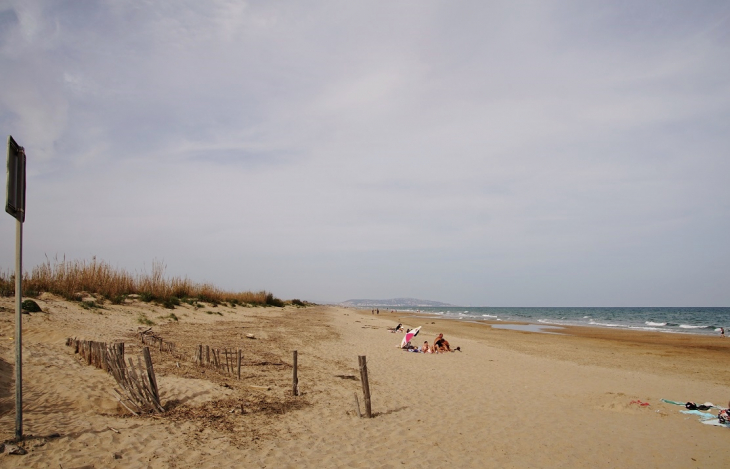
440 345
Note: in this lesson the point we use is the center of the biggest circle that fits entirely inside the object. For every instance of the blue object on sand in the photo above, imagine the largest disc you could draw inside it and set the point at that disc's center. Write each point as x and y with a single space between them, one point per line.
703 415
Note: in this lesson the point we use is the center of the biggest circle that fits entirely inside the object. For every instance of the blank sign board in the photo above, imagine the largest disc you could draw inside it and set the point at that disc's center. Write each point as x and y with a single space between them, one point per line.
15 202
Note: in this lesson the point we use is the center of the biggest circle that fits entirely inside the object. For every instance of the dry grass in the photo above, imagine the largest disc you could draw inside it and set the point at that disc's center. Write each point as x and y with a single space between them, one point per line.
75 279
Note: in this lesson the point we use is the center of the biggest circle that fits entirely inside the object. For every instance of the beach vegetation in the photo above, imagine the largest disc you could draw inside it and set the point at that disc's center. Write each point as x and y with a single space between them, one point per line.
89 304
30 306
77 280
171 302
144 320
271 300
146 296
214 312
118 299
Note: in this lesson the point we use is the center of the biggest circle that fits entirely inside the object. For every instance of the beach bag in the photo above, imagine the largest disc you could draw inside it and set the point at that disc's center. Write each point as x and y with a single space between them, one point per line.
724 416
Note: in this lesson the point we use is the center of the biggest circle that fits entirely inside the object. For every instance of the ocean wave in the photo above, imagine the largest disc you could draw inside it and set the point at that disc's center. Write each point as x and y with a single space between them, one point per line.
649 323
642 328
688 326
489 316
605 324
654 329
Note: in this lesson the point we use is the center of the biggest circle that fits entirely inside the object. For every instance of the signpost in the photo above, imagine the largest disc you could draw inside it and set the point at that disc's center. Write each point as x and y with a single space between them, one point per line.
15 206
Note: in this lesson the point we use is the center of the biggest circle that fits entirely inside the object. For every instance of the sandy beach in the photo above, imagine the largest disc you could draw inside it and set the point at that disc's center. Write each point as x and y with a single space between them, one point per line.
508 399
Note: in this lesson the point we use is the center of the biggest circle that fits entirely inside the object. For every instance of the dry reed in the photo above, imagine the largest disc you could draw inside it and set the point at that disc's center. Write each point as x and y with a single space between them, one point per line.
75 279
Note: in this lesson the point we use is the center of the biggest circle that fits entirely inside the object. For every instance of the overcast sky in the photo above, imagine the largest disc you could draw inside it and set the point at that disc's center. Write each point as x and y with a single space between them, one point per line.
546 153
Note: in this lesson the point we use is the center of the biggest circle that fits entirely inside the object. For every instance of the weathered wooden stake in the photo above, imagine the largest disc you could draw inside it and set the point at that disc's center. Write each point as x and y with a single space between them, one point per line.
239 363
295 380
365 384
151 375
207 355
357 405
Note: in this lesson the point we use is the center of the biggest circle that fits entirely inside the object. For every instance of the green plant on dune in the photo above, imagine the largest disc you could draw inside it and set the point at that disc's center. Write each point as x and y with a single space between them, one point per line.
143 319
30 306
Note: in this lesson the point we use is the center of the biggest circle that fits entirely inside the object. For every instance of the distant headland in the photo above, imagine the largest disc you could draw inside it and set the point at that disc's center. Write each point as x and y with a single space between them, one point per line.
394 302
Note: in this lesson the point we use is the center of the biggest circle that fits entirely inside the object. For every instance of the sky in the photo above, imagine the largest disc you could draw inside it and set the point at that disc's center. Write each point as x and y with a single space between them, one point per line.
481 153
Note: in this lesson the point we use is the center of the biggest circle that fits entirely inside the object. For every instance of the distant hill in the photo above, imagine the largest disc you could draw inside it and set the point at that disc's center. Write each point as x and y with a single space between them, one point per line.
393 303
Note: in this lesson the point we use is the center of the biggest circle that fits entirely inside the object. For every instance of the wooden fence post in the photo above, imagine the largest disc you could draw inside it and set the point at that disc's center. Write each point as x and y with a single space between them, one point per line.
239 363
365 385
357 405
151 375
295 380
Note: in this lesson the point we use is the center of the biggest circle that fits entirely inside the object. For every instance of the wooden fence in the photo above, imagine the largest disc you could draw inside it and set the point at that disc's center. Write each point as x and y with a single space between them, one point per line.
139 392
204 355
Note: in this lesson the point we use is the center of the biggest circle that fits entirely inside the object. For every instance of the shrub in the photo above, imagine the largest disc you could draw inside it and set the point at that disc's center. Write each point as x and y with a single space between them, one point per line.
146 297
271 300
31 306
117 299
297 302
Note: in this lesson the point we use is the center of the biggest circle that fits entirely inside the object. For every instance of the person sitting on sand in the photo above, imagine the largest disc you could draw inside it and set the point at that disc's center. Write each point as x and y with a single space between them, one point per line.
425 348
440 344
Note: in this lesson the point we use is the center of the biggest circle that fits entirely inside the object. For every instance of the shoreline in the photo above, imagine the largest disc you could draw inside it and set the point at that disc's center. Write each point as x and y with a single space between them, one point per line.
705 321
704 355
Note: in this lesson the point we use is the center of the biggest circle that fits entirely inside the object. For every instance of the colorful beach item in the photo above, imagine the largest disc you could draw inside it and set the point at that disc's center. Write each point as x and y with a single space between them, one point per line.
409 335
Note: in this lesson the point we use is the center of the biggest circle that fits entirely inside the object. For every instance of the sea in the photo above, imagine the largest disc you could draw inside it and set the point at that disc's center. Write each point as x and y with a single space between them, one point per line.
703 321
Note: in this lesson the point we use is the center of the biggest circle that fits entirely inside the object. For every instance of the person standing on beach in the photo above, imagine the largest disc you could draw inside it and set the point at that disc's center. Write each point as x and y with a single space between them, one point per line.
722 332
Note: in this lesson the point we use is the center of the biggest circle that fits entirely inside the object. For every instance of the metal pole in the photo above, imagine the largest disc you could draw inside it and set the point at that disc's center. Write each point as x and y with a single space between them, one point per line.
18 331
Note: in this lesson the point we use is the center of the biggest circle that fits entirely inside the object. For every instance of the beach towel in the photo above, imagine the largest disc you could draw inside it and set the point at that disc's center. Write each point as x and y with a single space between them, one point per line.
692 405
672 402
715 422
703 415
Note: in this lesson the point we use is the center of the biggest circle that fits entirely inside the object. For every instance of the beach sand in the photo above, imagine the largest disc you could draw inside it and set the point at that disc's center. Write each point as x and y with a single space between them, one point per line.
509 399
